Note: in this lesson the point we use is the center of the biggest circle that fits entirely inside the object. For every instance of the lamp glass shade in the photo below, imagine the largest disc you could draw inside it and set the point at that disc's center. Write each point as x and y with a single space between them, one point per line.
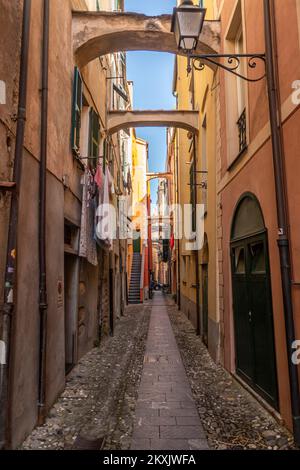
187 26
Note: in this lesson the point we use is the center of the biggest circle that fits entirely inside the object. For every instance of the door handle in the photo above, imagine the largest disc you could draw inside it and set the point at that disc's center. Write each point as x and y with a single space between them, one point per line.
250 316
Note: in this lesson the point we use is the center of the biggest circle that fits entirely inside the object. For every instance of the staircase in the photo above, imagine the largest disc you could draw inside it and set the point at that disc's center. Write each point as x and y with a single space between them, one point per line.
135 281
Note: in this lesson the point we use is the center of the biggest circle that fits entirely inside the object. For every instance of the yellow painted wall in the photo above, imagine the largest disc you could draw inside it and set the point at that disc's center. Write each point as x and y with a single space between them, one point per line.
205 86
140 187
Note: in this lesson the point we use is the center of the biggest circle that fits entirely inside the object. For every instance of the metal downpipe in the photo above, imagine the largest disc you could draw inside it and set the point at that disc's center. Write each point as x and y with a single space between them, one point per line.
280 185
10 288
43 305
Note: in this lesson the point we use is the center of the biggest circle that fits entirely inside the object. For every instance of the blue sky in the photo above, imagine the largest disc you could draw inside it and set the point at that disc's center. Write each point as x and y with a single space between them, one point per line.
152 74
150 7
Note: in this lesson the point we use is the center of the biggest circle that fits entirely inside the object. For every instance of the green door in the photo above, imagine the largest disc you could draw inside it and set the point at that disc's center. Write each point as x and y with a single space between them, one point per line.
241 307
137 242
253 315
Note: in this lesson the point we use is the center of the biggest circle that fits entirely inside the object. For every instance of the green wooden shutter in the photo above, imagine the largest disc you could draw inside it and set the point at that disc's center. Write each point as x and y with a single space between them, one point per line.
104 155
94 135
76 111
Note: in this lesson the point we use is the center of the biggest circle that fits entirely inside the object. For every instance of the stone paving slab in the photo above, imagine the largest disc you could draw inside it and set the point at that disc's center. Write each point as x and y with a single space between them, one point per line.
166 414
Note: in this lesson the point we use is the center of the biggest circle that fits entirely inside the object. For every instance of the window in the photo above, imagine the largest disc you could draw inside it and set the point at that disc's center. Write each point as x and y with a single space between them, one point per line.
240 84
258 259
236 90
239 260
71 236
105 154
76 111
94 134
241 102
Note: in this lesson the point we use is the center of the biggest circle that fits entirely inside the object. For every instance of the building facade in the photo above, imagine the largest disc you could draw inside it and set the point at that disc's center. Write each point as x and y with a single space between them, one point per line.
251 307
140 247
85 273
232 288
192 158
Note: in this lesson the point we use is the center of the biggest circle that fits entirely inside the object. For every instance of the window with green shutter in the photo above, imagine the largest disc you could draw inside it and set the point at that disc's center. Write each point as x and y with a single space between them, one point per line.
76 111
105 148
94 136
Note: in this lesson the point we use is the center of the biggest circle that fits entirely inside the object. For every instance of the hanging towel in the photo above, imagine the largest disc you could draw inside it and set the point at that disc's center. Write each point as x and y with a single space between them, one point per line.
87 244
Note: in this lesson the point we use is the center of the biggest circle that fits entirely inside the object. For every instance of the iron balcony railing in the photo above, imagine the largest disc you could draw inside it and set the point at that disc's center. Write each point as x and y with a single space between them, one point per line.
242 128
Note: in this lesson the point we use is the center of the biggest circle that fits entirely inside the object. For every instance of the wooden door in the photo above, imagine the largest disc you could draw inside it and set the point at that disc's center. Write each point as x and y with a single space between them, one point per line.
253 316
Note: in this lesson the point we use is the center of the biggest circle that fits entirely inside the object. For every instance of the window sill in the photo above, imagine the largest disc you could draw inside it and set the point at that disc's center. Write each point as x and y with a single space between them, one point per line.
237 159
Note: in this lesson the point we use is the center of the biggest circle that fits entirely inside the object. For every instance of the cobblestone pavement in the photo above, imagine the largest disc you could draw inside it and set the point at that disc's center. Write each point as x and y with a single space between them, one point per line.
101 395
231 417
101 392
166 414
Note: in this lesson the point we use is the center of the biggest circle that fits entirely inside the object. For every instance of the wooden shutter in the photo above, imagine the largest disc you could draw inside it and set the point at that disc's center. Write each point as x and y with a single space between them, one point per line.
94 134
76 111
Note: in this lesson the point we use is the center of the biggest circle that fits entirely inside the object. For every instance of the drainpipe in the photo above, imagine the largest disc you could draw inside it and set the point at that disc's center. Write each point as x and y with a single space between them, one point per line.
11 259
43 306
282 211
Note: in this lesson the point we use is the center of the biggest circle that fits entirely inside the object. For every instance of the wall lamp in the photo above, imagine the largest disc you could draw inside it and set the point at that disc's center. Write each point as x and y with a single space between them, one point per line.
187 24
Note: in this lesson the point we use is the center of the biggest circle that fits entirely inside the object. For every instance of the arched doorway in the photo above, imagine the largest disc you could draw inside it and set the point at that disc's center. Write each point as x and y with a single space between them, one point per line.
252 300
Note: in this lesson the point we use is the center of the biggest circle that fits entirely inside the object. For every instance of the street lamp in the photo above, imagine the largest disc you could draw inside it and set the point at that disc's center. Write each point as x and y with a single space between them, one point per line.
187 25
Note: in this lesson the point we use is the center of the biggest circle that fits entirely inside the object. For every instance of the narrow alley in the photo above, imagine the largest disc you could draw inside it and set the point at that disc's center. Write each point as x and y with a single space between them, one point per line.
149 227
166 393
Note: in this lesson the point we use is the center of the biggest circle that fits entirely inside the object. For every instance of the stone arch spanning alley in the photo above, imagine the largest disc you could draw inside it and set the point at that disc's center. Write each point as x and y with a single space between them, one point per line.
100 33
117 120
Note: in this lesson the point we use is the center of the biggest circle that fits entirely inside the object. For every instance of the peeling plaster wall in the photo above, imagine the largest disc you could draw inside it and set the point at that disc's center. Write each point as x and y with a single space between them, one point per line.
100 33
10 27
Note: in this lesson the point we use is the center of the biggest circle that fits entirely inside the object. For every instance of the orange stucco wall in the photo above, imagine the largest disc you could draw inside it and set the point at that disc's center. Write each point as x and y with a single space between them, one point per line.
254 173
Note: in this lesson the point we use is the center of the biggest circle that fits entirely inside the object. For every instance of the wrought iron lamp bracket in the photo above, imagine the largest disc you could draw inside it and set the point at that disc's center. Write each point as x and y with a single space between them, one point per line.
232 63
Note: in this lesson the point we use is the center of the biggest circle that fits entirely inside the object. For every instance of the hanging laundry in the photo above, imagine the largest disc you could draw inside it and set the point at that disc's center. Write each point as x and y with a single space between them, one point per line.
172 241
99 177
87 244
103 216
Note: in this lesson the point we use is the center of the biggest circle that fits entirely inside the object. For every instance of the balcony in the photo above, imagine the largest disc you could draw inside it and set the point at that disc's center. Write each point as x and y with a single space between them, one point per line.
242 130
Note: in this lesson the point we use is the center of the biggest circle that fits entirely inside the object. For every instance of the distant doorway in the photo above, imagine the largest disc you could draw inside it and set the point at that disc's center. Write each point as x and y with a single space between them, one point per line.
137 241
252 300
71 306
